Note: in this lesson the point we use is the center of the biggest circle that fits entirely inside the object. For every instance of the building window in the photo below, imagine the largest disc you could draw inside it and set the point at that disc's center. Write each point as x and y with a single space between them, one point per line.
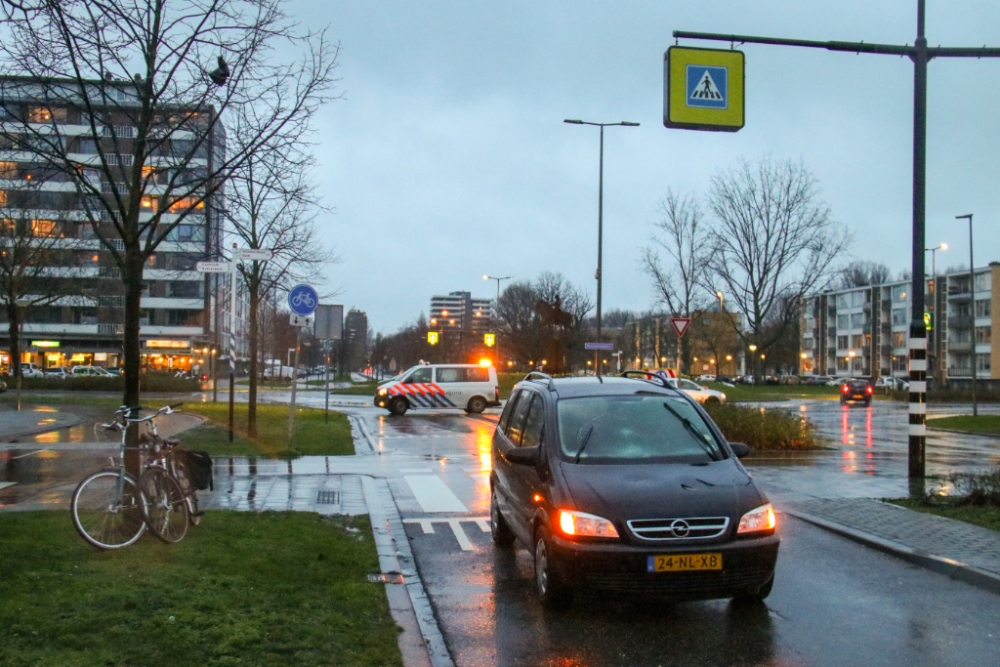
899 316
8 170
898 339
842 301
857 320
899 293
842 343
857 298
87 146
984 334
983 282
186 203
857 341
843 321
983 362
842 364
43 228
983 307
149 203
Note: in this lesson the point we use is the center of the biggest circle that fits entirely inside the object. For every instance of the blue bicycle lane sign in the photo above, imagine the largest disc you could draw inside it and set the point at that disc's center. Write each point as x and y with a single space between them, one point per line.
302 300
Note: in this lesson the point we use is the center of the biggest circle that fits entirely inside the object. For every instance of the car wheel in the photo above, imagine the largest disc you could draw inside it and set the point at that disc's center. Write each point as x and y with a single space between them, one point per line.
398 406
552 593
758 595
503 536
476 405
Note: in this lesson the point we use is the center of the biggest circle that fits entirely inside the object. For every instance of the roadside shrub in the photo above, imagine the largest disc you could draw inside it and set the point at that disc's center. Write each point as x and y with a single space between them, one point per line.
151 381
980 490
764 428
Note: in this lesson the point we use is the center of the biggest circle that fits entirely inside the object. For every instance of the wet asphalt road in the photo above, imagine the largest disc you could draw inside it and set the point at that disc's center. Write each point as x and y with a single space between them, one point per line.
834 602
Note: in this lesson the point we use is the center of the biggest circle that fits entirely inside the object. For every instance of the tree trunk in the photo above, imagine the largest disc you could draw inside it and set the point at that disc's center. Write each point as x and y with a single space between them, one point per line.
254 336
132 280
14 318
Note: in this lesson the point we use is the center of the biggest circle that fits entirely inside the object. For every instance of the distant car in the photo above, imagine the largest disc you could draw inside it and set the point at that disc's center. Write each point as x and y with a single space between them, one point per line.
705 378
889 382
90 371
858 390
814 380
3 386
29 370
694 390
57 372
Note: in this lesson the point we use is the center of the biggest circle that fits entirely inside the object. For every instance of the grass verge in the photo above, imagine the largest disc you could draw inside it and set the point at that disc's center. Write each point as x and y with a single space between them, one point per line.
313 434
953 508
764 429
986 424
242 589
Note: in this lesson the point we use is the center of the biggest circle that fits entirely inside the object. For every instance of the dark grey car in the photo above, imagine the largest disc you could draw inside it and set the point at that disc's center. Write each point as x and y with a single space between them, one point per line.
627 485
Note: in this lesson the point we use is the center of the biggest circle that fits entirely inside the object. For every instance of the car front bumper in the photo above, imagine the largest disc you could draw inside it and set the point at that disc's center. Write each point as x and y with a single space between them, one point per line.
747 564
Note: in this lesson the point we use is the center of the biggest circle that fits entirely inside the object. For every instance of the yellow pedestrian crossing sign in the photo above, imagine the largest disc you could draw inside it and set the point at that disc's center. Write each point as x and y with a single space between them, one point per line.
433 337
489 340
703 89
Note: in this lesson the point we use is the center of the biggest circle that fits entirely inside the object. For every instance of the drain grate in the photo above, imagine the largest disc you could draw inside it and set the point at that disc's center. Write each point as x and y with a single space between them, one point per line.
328 498
386 578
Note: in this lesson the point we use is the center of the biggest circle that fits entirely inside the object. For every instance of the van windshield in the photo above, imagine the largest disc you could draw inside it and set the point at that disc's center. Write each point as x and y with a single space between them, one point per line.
634 428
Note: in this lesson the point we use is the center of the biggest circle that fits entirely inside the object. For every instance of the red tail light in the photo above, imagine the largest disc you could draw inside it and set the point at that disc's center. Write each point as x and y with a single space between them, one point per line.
844 389
868 389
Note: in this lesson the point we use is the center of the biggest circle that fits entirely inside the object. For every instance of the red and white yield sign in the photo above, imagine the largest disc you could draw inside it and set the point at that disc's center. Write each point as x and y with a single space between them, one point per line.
680 324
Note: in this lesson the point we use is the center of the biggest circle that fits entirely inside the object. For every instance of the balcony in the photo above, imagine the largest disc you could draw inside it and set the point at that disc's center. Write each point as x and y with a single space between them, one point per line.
960 371
962 346
960 321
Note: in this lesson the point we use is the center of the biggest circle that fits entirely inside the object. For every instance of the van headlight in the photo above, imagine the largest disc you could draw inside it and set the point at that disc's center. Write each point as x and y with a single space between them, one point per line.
382 391
759 520
580 524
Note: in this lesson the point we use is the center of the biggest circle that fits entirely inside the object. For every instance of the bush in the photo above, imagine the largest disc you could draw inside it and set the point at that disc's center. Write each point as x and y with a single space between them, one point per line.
152 381
978 489
764 429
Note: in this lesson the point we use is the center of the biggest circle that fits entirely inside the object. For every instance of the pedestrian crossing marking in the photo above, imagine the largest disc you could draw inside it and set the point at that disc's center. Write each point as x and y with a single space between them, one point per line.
433 494
427 524
707 86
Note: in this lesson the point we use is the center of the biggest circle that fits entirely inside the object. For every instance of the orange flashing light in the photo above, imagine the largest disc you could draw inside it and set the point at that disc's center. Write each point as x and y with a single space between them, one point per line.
537 498
485 363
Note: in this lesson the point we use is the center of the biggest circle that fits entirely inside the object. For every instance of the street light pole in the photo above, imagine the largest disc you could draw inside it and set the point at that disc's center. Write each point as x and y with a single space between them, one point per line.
496 304
600 222
972 312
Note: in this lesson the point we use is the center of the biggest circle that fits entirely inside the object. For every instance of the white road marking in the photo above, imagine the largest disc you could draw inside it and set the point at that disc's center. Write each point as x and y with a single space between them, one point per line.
4 485
456 527
482 478
433 494
411 471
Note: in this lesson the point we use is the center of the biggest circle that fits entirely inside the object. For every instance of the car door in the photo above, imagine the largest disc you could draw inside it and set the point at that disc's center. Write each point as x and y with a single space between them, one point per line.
450 381
526 425
507 437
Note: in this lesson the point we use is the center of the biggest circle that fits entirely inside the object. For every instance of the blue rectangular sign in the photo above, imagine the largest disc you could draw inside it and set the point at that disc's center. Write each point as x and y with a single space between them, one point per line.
598 346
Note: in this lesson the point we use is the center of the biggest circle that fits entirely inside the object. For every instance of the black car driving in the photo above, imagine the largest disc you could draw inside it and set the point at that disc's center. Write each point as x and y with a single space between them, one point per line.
858 390
625 484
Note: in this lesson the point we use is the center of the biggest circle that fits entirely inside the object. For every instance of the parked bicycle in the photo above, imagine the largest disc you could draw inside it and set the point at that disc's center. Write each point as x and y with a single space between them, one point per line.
111 509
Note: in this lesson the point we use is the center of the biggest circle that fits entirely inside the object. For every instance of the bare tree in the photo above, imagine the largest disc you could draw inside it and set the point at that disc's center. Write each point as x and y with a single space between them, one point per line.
773 242
681 285
861 274
153 152
272 205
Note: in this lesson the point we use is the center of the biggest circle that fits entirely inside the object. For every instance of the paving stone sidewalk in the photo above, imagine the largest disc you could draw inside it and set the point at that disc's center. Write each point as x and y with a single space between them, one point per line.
959 550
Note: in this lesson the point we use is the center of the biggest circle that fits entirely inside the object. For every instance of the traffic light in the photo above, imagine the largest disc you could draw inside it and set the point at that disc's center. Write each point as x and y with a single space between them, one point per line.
928 320
433 337
489 340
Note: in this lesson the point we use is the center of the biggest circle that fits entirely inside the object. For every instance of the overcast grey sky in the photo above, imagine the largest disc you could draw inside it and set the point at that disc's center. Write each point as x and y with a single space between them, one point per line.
448 159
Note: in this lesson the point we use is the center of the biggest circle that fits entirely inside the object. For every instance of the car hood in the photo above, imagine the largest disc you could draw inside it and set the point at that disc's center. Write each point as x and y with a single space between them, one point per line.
653 491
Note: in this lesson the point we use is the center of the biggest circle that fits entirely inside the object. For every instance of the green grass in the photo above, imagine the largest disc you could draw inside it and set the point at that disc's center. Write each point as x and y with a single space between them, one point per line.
747 393
987 424
986 516
242 589
313 435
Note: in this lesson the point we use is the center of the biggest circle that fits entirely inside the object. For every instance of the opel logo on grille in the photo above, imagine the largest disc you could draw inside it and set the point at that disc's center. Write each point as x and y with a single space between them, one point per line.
680 528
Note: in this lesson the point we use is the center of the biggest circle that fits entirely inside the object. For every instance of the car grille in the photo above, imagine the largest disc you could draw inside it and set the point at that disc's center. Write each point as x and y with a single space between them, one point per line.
679 583
700 528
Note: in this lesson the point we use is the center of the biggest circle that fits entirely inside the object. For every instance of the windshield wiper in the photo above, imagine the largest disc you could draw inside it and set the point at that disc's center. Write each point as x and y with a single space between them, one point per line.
698 436
583 445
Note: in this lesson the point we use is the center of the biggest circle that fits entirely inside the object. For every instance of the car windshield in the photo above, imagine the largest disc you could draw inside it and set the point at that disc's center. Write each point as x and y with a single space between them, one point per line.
634 428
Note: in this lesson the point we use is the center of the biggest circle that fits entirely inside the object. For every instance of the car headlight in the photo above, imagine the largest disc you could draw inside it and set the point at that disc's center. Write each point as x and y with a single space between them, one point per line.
383 391
580 524
759 520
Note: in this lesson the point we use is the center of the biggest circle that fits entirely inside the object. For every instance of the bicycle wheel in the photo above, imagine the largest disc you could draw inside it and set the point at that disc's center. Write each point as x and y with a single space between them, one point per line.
183 476
166 509
107 510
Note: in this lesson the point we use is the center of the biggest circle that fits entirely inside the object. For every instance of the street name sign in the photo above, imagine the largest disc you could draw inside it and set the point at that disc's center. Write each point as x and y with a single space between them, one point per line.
680 324
214 267
598 346
302 300
703 89
254 255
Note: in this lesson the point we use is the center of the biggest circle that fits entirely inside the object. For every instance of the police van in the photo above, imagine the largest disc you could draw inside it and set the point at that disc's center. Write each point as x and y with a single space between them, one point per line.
468 386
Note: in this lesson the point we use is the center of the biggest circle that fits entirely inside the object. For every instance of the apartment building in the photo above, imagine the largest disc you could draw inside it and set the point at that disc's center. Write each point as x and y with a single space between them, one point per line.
460 311
864 331
179 320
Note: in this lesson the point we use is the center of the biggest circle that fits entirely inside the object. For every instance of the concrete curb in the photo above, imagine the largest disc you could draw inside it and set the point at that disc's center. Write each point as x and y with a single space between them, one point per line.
952 569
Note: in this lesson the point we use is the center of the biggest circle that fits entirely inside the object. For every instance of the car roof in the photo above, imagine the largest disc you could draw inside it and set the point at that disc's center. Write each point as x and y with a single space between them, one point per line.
575 387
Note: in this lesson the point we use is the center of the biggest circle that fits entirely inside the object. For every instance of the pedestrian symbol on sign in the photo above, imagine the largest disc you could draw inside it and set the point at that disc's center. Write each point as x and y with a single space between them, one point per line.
707 86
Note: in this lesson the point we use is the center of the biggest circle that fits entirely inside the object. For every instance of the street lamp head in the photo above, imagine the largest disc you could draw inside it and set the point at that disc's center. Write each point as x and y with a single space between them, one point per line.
574 122
628 124
485 277
967 215
943 246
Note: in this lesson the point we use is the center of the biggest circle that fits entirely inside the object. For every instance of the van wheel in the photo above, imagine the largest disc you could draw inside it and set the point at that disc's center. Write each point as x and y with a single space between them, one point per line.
502 535
398 406
476 405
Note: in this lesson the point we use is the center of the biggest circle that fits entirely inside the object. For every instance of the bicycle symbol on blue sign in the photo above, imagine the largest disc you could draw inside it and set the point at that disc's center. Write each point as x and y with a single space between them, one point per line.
302 300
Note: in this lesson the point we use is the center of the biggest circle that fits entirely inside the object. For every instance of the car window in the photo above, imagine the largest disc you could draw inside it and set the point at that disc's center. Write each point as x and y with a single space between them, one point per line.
478 374
449 374
419 375
507 411
533 423
687 384
640 427
516 426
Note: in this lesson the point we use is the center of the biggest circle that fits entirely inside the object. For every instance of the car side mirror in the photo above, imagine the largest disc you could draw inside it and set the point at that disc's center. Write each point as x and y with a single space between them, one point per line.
528 456
739 449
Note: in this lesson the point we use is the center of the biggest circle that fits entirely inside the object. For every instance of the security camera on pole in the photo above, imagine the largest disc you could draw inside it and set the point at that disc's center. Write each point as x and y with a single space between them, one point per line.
302 301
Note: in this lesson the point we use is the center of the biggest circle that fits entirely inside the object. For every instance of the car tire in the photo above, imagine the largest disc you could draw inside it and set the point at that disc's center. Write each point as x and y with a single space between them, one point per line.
398 406
552 592
758 595
476 405
503 536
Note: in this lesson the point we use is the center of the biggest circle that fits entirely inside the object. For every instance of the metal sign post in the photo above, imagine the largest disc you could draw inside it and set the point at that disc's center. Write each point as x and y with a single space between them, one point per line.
302 301
329 327
230 268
